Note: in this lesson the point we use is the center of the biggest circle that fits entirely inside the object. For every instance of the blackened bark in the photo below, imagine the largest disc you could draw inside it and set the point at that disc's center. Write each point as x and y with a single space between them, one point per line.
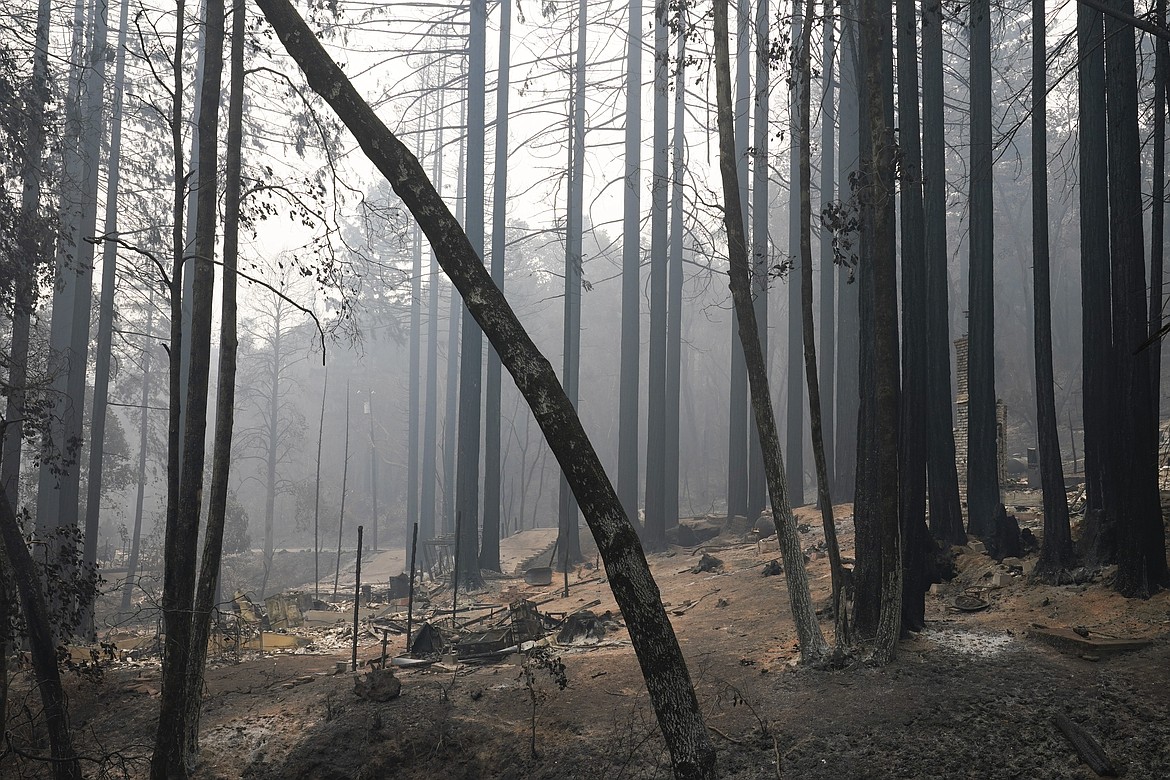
1141 559
757 489
659 655
912 438
794 419
40 642
471 356
168 761
569 537
877 167
225 395
1096 322
812 643
428 516
1056 550
674 282
740 427
946 510
31 254
828 275
489 548
804 188
848 287
654 536
983 499
1158 210
866 516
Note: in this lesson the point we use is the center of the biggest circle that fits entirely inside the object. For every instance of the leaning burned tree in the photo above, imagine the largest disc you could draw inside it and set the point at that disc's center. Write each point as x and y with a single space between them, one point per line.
661 659
812 642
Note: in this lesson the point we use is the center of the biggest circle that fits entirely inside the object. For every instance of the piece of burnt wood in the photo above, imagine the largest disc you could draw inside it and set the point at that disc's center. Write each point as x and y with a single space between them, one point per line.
1088 749
1070 641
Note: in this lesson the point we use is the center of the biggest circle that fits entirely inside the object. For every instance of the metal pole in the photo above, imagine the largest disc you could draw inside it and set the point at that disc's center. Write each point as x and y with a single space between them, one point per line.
357 599
410 593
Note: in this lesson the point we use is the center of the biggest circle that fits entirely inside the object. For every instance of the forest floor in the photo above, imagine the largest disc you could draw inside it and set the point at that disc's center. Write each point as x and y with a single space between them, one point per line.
972 696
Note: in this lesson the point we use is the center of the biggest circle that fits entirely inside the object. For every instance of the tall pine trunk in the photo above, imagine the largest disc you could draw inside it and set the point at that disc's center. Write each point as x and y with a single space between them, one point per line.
739 425
803 185
655 533
627 465
105 334
828 275
428 517
796 398
760 245
1141 537
1096 323
569 546
225 396
983 497
471 357
848 389
168 760
946 511
912 441
674 282
1056 550
877 165
143 443
489 552
812 642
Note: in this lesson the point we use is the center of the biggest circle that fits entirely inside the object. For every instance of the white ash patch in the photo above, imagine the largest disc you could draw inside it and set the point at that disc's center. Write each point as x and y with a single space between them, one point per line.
983 644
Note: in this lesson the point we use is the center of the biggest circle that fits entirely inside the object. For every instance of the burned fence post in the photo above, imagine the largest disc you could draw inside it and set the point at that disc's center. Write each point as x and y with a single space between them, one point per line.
357 600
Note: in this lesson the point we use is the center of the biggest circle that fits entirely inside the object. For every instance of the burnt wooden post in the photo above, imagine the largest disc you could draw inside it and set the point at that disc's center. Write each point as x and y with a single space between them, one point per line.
410 592
455 571
357 601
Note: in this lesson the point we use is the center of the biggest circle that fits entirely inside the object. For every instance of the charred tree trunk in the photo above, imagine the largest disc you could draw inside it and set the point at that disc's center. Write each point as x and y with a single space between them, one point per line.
627 467
1141 559
32 253
912 440
1098 543
877 203
946 511
983 489
674 283
225 395
812 643
659 655
43 649
1056 551
168 761
143 441
739 426
757 495
848 388
471 357
655 532
794 427
804 187
828 275
489 551
569 536
1158 210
